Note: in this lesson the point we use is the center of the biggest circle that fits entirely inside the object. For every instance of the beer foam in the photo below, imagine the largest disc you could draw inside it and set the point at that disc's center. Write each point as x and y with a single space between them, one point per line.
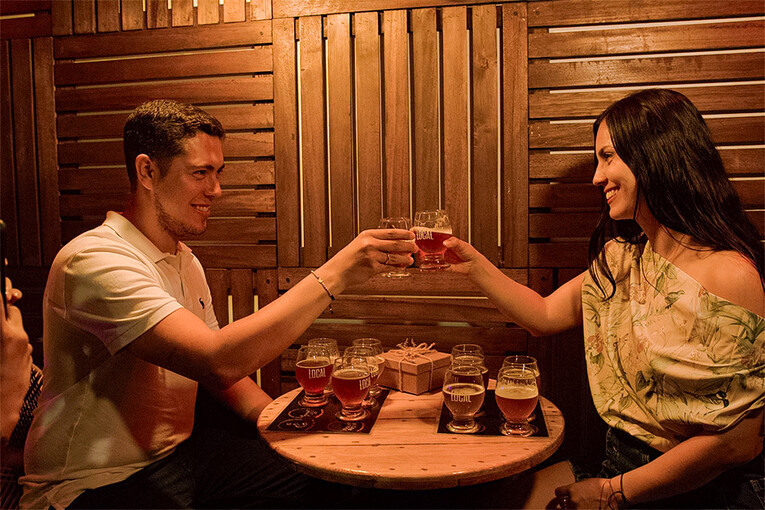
440 230
516 391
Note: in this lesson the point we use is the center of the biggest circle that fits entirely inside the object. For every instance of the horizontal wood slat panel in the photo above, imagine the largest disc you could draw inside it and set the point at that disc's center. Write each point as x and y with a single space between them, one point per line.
238 117
559 195
197 91
497 340
744 34
589 103
559 224
295 8
110 152
418 284
230 203
24 28
544 165
578 12
237 173
421 310
235 256
241 230
733 130
8 7
736 66
238 61
163 40
558 255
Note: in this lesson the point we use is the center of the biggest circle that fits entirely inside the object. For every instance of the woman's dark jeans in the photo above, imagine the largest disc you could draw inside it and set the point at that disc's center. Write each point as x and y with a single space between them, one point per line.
741 487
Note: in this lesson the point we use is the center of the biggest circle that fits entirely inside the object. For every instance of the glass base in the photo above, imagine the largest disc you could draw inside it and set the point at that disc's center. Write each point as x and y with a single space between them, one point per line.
463 427
314 400
352 414
396 274
433 265
524 429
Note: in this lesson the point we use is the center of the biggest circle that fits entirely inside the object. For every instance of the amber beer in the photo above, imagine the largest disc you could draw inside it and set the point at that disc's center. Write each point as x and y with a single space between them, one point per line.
313 375
431 241
516 401
351 385
463 399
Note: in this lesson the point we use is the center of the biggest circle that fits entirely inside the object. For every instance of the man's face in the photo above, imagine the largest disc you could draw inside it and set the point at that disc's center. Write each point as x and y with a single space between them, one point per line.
182 197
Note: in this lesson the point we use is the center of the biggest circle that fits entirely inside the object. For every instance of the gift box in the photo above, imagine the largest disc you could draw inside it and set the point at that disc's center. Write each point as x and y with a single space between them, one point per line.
414 369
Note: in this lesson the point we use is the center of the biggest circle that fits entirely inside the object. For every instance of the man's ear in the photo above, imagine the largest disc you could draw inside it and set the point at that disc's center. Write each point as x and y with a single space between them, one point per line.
145 170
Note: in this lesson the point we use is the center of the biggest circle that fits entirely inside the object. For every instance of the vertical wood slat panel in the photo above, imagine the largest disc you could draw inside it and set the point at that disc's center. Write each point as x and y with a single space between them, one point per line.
132 14
286 143
107 15
425 98
267 284
260 9
183 13
340 130
61 17
313 141
24 151
217 280
368 120
454 20
157 14
242 293
47 164
396 116
233 10
208 12
484 183
84 14
7 173
515 178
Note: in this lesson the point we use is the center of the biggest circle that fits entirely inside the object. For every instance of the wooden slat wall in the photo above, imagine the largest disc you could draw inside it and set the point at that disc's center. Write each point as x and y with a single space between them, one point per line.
714 55
399 111
100 78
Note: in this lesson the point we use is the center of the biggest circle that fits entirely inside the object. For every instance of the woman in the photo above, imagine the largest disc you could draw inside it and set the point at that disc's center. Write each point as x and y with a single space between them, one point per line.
672 308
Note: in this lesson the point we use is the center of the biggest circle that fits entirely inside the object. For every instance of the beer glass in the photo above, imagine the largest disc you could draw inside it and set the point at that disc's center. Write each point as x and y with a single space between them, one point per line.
403 223
351 380
369 355
471 354
517 395
376 346
313 370
463 392
334 352
520 361
431 228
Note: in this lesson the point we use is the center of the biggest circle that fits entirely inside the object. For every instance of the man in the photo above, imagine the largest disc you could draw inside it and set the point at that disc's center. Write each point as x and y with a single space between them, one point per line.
129 331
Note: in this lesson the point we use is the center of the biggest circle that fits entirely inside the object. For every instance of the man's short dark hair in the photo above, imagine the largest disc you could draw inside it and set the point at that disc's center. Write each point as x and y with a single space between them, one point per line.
158 128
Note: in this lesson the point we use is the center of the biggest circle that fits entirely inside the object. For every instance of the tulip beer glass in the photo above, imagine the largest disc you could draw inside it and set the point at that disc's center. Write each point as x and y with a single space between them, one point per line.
376 346
368 355
334 352
431 228
313 370
404 224
517 396
471 354
351 380
463 392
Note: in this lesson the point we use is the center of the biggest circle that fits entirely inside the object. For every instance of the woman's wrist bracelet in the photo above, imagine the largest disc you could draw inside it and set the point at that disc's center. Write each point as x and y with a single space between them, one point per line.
326 289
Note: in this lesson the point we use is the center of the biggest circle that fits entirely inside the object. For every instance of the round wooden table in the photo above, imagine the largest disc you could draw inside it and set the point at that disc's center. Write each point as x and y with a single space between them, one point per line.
404 451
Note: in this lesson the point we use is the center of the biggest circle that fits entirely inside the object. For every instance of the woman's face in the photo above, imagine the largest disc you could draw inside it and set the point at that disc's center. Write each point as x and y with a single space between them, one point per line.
615 177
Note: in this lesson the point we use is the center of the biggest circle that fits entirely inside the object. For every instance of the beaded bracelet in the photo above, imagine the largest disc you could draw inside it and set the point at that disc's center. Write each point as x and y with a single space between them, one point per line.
326 289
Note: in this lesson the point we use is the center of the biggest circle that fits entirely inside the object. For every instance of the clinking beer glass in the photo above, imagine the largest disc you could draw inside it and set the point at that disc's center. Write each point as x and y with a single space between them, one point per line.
431 228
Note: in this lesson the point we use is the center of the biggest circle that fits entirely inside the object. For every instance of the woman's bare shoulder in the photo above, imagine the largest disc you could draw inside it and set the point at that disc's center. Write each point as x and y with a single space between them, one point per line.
733 277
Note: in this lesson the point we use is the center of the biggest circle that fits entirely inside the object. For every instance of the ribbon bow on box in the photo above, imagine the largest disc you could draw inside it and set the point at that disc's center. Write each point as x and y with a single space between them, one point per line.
409 352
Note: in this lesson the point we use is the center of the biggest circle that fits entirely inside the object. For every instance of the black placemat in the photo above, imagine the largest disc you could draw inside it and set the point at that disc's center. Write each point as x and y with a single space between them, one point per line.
490 418
297 418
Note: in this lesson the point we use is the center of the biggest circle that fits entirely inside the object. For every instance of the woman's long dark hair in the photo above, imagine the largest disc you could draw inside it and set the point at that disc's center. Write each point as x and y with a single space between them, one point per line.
663 139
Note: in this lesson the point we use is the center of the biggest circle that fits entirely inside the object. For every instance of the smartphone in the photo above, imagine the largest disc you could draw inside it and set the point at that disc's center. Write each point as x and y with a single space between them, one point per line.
2 266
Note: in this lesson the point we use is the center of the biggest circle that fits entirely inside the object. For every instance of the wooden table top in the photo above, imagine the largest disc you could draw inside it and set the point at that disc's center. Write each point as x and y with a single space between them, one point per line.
404 451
